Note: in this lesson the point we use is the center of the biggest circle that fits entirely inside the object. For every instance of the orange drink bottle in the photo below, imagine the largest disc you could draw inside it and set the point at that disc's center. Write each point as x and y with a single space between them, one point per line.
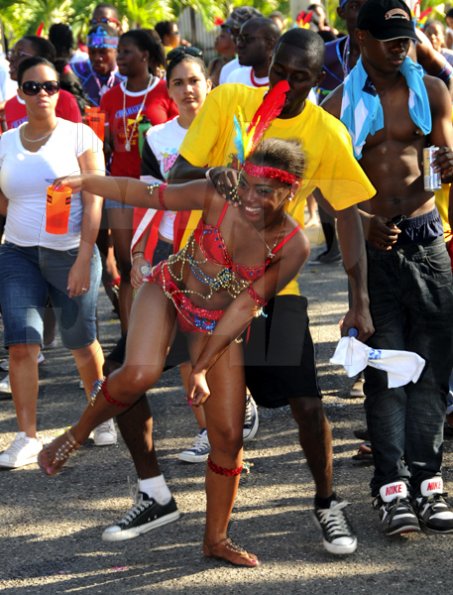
58 207
96 121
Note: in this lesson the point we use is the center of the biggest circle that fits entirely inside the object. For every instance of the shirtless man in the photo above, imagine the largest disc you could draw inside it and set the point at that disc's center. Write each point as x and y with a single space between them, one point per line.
409 275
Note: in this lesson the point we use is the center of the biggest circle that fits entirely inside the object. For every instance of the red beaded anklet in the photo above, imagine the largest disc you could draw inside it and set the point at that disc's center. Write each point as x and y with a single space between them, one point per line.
108 397
222 471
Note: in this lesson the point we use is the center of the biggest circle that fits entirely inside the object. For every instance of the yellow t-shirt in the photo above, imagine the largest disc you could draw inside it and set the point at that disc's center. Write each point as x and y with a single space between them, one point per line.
330 163
442 197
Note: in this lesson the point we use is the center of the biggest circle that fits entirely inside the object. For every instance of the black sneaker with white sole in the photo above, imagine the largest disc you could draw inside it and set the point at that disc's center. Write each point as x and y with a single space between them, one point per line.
431 506
395 509
337 533
146 514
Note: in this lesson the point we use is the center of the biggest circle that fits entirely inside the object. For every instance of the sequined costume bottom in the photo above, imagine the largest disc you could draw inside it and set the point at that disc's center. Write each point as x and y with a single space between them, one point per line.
191 318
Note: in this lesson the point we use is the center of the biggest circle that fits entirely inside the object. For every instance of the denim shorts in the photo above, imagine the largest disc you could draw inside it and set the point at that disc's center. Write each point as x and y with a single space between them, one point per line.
114 204
31 275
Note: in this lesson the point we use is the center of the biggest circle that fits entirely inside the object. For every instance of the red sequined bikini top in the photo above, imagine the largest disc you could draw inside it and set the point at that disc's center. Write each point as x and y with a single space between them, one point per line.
212 245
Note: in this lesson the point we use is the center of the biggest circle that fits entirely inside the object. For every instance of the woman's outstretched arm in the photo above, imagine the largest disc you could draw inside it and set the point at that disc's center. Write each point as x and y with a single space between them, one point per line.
181 197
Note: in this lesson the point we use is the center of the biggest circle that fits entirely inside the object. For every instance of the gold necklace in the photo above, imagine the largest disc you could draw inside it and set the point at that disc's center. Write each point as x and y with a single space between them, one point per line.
35 140
127 144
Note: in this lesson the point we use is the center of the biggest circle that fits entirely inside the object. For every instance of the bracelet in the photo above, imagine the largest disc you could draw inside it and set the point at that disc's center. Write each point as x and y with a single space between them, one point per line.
160 197
136 254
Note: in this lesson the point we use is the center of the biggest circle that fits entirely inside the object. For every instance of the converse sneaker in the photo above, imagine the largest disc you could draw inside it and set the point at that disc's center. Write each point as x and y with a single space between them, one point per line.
146 514
251 421
432 509
5 386
105 434
21 452
395 509
337 533
199 451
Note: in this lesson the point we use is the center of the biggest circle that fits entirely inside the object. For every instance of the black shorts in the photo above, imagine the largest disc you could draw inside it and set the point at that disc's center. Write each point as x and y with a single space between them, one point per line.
178 353
279 354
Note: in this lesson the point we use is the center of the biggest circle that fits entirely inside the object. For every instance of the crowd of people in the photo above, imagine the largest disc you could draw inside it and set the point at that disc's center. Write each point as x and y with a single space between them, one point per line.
193 190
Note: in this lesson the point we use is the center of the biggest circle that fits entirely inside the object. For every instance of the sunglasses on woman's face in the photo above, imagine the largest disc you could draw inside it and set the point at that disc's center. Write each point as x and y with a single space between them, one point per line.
33 88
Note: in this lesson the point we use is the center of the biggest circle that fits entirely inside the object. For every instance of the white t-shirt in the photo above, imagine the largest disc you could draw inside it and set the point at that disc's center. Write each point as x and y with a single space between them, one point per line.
164 141
227 69
25 176
244 75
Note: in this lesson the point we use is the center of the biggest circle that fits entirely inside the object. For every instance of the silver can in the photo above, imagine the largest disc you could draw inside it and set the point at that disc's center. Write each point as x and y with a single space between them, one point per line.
431 178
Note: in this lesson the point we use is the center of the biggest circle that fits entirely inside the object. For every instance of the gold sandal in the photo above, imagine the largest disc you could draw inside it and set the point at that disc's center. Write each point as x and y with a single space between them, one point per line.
54 455
230 552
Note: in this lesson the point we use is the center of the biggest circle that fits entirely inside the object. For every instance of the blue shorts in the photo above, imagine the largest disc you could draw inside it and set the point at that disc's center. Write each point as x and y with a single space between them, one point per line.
31 275
114 204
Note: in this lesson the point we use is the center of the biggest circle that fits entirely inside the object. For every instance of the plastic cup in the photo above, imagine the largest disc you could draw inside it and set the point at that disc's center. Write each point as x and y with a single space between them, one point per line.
96 121
58 207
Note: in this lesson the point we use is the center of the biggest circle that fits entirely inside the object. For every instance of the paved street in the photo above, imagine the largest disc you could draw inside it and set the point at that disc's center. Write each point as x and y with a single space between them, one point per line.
51 527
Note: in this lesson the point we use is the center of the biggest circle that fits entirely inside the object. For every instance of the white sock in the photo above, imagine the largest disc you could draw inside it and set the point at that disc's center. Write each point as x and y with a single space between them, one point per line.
155 487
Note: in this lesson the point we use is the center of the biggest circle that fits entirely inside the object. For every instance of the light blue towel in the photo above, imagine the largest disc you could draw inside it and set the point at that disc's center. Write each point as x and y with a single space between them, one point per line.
361 109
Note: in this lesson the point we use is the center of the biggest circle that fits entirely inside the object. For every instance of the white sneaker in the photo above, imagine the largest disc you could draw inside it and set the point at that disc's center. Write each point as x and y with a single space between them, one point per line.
22 451
199 451
105 434
5 386
251 421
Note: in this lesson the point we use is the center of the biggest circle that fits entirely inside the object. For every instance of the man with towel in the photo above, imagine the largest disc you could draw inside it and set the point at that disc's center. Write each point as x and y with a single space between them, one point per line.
393 112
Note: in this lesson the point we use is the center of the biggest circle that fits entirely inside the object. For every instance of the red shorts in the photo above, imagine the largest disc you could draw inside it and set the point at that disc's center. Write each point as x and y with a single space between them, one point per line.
191 318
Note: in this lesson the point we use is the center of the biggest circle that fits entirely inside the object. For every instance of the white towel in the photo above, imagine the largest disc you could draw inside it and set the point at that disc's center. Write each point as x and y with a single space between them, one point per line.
402 367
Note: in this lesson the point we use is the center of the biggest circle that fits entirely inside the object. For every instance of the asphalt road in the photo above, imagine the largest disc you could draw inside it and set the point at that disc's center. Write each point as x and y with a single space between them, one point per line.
50 530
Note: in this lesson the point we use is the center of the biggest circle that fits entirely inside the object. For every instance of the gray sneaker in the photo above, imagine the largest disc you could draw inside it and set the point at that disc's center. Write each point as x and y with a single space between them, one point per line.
251 421
199 451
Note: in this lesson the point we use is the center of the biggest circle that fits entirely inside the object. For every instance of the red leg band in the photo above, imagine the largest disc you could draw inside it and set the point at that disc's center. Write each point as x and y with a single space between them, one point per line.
222 471
108 397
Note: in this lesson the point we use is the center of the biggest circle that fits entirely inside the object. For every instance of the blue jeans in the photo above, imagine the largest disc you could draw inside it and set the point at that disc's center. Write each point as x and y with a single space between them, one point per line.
31 275
412 308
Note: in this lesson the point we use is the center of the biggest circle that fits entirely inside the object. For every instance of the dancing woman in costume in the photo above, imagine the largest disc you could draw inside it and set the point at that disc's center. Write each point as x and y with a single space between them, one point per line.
235 261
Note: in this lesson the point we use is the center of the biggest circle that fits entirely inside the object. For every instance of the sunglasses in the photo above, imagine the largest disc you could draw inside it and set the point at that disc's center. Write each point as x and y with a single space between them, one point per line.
105 20
33 88
182 50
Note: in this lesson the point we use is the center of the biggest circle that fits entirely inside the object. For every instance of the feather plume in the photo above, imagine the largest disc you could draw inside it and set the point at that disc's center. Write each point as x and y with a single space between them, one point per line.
246 138
269 109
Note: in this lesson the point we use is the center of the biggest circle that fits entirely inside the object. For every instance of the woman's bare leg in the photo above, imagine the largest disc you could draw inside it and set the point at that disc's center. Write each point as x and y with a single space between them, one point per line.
23 376
224 411
120 222
151 331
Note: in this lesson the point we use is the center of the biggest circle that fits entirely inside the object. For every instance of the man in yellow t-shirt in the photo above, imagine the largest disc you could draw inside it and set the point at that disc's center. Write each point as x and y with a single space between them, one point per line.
279 354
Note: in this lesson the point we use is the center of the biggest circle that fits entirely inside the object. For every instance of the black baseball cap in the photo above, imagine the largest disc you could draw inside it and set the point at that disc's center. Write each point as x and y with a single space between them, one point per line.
387 20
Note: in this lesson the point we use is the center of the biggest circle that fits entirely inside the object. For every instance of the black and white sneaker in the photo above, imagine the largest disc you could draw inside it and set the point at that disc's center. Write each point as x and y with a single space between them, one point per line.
338 536
395 509
432 509
146 514
252 420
